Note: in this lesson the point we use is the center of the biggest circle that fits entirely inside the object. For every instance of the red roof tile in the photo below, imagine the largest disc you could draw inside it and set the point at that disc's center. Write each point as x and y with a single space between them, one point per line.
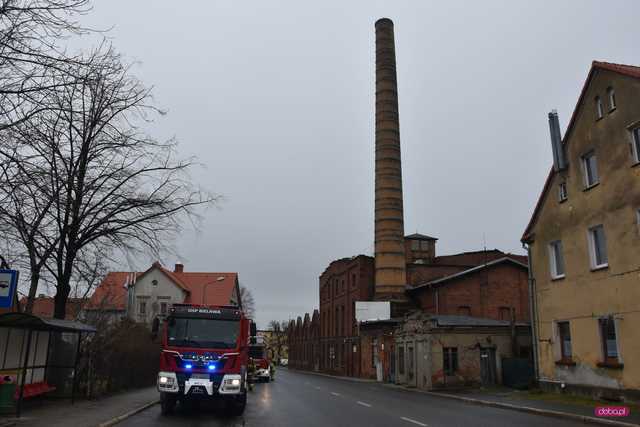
111 294
44 307
627 70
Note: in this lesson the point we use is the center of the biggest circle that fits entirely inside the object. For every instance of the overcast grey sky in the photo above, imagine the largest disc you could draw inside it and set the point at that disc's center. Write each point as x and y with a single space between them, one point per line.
277 100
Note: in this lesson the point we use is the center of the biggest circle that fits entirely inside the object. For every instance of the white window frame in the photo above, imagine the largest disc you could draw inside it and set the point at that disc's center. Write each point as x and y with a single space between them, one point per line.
635 143
585 169
616 328
562 192
599 109
611 95
553 266
561 343
592 248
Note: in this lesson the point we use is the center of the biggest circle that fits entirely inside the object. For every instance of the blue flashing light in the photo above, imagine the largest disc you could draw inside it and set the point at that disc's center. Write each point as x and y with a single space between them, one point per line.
212 367
188 366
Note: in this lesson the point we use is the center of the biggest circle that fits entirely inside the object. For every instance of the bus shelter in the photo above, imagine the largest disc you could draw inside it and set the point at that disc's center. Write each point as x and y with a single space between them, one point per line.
38 356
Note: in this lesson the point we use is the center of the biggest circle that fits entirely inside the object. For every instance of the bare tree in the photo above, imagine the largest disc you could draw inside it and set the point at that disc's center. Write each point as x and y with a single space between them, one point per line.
31 58
109 185
278 340
248 302
24 215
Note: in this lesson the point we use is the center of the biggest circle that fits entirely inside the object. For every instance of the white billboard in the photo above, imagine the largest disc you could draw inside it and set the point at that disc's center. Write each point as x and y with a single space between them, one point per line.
372 310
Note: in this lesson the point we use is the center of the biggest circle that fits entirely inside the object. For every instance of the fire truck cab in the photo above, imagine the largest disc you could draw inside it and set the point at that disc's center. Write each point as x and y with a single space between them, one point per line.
204 356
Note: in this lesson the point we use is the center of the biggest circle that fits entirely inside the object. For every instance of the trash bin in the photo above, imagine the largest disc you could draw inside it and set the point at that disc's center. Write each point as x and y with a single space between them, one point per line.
7 392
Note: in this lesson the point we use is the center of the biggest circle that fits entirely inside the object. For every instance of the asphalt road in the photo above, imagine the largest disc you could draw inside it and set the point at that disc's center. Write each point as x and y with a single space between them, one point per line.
298 399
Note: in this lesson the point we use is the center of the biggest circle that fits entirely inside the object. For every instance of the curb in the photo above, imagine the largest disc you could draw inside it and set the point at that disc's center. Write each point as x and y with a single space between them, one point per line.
537 411
129 414
528 409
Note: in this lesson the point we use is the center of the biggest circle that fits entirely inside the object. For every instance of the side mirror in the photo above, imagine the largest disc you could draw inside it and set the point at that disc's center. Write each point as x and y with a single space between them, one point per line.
155 327
253 329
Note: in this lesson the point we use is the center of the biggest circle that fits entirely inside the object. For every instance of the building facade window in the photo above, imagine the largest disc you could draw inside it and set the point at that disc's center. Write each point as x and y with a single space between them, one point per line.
611 94
374 352
598 247
609 339
562 191
635 144
142 307
564 333
590 169
163 308
464 310
450 360
505 313
556 259
401 360
154 282
599 110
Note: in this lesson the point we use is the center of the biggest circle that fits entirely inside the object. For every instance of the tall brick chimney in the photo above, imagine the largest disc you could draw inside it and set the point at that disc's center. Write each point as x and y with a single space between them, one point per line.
390 263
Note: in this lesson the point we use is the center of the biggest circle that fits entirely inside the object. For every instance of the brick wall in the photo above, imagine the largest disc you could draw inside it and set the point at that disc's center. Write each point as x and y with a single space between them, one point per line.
343 283
487 293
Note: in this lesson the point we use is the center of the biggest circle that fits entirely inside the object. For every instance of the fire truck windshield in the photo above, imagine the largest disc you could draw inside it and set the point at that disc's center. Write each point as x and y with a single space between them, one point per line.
205 333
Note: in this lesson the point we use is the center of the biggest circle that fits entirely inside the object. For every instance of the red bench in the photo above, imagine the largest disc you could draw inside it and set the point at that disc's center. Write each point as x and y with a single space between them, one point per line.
35 389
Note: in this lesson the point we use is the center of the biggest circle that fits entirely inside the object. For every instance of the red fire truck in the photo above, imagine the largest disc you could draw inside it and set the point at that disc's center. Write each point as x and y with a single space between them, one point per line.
258 352
204 356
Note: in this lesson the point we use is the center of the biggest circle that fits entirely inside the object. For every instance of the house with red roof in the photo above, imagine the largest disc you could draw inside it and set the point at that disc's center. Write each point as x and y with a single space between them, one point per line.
143 296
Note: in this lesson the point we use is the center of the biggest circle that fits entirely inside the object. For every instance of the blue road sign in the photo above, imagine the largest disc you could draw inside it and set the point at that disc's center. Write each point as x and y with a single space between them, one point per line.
8 285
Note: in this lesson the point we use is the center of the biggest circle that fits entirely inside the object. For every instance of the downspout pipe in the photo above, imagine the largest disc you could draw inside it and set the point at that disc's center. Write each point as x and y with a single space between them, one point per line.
533 311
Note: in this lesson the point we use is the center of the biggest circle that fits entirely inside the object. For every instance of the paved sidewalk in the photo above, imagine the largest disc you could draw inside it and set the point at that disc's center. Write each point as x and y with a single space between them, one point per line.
524 399
84 413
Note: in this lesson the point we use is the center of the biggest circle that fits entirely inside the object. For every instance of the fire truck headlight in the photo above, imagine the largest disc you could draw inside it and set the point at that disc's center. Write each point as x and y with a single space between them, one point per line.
167 381
230 384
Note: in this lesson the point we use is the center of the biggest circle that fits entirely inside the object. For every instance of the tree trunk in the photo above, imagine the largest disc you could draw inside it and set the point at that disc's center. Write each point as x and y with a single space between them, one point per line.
60 300
33 289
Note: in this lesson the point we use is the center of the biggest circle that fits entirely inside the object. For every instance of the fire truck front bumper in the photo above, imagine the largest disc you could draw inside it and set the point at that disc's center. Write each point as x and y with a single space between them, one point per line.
200 385
263 374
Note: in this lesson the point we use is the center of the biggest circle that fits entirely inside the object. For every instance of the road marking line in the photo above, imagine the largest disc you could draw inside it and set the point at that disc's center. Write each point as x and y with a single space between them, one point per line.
414 421
368 405
335 394
317 388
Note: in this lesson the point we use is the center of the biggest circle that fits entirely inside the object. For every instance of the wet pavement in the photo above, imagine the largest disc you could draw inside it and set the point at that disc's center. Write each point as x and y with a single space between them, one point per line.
300 399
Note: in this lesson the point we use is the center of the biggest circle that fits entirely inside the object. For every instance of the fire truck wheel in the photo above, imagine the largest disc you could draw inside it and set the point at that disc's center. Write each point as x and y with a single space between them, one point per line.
236 406
167 403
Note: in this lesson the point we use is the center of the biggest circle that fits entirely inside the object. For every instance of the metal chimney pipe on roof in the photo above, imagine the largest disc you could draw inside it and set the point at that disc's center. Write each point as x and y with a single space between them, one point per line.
559 158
